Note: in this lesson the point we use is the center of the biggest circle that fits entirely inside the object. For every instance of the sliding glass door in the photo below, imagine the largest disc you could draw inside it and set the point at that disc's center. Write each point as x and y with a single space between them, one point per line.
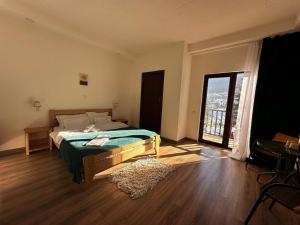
219 110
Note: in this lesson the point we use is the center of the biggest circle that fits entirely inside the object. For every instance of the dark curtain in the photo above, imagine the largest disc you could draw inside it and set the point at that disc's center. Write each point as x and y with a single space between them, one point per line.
277 97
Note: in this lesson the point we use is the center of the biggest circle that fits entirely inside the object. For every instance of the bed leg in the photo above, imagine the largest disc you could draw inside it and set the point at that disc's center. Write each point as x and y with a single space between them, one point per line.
157 145
88 165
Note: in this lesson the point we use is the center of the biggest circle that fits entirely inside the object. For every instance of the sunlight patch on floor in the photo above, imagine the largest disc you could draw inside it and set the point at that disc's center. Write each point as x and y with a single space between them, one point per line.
176 155
187 145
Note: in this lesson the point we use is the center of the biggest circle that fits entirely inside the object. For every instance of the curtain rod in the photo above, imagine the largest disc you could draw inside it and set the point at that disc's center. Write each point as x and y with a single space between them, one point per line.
239 44
221 48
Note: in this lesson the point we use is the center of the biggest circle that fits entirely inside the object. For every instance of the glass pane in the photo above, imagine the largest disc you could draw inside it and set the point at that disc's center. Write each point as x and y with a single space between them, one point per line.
215 109
235 109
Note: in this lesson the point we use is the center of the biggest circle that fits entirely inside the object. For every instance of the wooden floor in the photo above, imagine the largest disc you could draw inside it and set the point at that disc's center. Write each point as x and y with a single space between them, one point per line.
207 188
218 139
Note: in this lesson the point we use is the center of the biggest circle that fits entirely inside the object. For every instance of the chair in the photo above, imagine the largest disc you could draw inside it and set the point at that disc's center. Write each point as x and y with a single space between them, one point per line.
286 194
272 154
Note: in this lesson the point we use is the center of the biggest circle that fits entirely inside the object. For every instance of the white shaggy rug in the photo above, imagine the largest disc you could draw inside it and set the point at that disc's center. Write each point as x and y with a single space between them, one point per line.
140 176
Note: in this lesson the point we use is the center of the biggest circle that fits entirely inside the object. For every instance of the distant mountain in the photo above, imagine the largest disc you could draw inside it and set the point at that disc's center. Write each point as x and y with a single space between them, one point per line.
218 85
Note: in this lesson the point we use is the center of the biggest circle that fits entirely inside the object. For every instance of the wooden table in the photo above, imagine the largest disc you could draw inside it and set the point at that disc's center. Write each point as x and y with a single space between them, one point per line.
294 155
37 138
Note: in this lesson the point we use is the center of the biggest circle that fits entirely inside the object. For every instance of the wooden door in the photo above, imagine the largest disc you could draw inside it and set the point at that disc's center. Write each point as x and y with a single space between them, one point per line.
151 100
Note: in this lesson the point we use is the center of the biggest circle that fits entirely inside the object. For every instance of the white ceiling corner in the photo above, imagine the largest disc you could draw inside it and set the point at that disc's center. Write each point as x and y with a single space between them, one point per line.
133 27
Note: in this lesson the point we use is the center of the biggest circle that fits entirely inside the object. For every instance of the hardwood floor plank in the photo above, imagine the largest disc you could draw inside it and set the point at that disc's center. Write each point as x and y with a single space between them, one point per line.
206 188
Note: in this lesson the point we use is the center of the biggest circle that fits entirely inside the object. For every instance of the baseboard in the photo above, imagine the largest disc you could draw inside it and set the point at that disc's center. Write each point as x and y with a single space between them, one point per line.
177 142
163 139
12 151
190 139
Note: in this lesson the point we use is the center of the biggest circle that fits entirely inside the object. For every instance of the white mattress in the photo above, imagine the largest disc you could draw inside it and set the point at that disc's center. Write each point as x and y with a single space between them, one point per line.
58 133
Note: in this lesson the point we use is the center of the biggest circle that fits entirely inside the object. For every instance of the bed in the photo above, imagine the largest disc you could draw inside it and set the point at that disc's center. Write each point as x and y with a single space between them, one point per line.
125 143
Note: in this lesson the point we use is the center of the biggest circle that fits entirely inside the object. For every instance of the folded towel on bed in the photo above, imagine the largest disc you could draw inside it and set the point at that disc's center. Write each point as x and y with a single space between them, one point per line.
100 140
90 128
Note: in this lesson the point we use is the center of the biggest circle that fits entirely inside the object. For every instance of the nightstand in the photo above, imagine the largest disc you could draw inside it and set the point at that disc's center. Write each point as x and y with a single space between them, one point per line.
121 120
37 138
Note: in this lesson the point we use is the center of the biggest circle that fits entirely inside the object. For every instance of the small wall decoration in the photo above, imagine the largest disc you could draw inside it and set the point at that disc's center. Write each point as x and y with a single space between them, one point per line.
83 79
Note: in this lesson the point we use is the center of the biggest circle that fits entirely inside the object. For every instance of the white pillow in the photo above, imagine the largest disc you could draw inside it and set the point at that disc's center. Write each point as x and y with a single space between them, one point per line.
60 118
92 115
102 120
111 126
76 123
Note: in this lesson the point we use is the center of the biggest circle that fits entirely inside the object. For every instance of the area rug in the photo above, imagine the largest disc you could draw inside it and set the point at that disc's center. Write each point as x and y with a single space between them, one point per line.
141 176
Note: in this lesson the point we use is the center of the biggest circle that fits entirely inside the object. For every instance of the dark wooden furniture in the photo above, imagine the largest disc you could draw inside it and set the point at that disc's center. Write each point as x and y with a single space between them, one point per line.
37 138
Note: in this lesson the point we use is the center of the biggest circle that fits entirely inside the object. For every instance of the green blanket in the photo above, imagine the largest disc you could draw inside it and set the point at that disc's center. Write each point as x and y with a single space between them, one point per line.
72 149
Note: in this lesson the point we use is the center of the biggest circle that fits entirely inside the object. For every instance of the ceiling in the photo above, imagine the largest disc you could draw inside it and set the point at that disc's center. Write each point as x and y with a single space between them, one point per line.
136 26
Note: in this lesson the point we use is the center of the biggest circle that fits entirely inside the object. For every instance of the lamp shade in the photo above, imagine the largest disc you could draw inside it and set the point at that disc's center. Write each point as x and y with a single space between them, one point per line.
36 104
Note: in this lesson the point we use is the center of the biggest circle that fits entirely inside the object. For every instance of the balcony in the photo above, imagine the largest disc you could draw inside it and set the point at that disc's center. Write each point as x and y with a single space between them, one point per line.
214 123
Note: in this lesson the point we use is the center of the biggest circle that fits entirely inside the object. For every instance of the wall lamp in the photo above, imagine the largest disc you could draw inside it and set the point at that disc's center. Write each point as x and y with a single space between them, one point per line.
37 105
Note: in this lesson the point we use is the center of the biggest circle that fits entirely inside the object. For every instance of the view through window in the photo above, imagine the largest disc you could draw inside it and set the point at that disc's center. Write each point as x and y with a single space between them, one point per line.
222 94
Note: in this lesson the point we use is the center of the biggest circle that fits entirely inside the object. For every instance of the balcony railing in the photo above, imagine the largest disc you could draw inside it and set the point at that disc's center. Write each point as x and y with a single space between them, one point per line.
214 122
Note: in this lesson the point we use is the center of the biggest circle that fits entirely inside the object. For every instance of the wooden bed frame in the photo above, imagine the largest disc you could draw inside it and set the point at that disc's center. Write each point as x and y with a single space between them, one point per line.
93 164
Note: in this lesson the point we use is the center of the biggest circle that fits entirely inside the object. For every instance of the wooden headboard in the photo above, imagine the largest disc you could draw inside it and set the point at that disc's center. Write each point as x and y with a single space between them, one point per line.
53 113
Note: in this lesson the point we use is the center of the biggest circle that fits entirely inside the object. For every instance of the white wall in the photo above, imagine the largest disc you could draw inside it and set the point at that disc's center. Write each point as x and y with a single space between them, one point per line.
229 60
184 94
37 63
168 58
40 64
